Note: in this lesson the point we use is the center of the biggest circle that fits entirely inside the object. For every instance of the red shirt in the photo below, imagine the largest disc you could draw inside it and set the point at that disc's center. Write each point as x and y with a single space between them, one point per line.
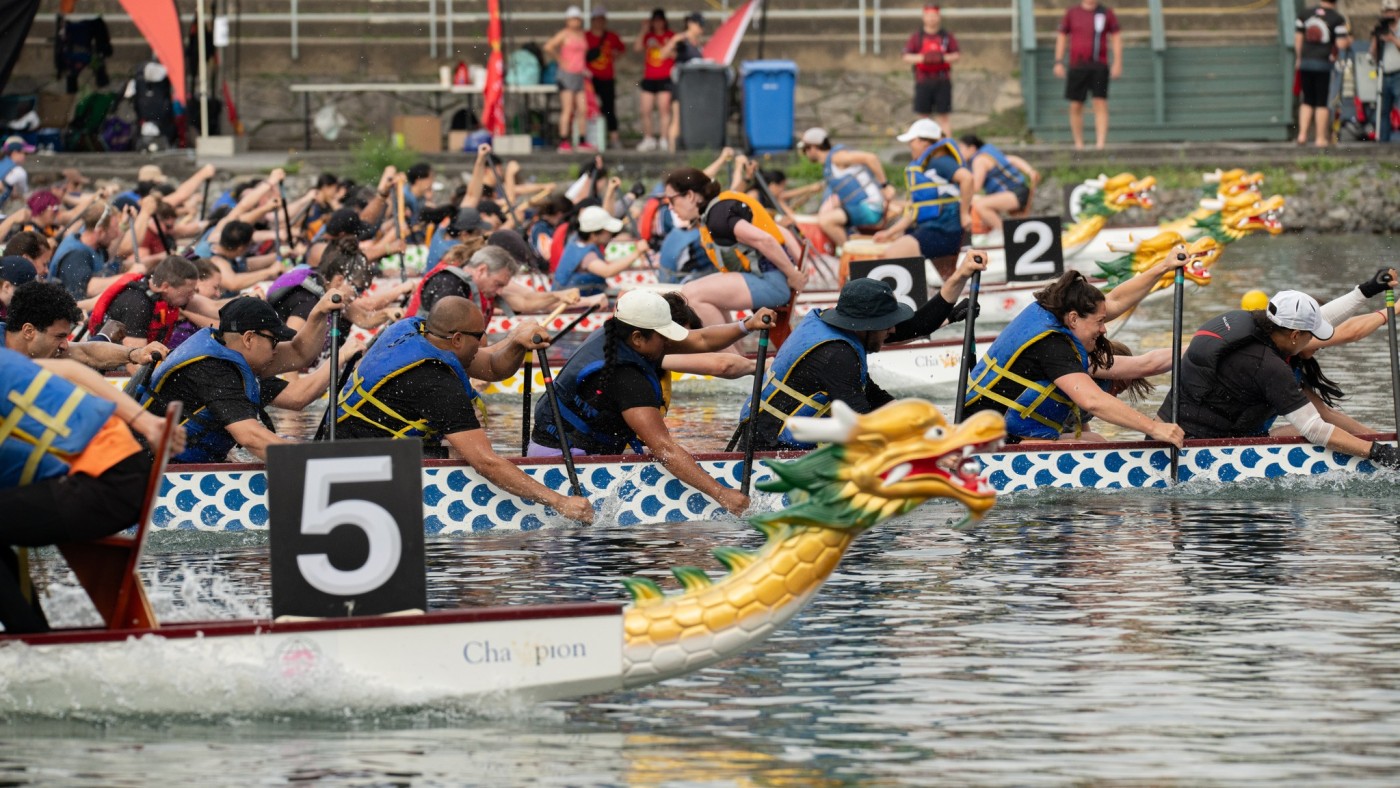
655 67
933 46
607 46
1088 46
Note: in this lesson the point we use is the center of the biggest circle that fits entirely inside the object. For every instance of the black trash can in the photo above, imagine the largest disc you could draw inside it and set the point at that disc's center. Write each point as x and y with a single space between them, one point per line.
702 88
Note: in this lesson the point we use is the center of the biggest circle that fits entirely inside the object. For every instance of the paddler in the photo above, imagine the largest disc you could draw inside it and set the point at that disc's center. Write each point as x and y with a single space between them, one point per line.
857 191
484 276
826 358
1053 363
611 392
343 264
584 265
415 382
755 260
226 376
1002 184
150 305
71 468
940 199
1236 379
41 317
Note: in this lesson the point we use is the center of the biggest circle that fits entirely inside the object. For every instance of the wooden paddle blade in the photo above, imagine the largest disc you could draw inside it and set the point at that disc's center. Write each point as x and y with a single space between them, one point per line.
101 568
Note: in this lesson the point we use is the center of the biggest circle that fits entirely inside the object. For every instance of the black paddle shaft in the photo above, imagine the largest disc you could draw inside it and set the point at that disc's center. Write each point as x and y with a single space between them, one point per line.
543 360
333 391
1178 301
143 375
1394 358
969 350
751 423
529 373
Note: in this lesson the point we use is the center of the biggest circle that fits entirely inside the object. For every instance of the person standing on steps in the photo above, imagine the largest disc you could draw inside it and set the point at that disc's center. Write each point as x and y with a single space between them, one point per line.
1385 51
932 51
656 83
1319 36
1089 29
570 47
604 48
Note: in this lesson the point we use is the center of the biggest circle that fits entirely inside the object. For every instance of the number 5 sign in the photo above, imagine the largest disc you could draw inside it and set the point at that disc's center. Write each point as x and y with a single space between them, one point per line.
1033 250
346 525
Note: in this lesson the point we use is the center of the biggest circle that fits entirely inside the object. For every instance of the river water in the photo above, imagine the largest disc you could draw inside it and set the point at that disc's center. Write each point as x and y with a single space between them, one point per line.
1213 634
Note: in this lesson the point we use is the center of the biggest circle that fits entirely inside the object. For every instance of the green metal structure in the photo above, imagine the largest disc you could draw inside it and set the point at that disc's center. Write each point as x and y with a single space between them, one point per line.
1171 94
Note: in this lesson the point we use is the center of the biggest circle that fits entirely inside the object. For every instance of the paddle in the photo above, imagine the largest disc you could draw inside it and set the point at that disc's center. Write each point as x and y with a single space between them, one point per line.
204 201
1178 300
529 372
969 350
1394 350
571 326
402 231
286 222
333 391
143 375
541 355
749 425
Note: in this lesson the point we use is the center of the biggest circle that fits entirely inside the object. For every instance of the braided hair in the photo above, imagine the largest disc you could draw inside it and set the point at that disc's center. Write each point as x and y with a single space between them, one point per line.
615 332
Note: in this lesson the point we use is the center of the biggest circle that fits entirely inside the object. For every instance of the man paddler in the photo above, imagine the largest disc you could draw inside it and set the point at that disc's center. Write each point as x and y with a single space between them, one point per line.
71 468
227 376
1236 379
939 203
415 382
1053 363
857 192
826 358
484 276
149 304
41 317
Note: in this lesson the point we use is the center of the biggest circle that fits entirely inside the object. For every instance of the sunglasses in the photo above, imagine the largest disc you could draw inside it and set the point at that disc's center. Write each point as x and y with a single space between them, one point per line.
477 335
270 338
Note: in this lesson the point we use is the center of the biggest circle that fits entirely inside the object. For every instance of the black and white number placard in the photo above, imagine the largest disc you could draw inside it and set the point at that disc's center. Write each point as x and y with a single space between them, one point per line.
1033 250
346 525
905 275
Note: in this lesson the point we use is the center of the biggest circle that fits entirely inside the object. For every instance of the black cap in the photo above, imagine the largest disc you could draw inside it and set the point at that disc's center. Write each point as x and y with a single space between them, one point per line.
867 305
696 17
468 219
347 221
658 13
17 270
516 245
247 313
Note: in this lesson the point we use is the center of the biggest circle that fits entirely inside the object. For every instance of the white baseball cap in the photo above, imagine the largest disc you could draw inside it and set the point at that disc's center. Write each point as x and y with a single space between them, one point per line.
922 129
1390 5
814 136
1295 310
595 218
646 309
574 12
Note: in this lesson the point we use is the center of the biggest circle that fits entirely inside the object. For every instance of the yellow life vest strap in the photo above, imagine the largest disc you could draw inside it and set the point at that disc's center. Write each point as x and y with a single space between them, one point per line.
1030 411
55 425
409 425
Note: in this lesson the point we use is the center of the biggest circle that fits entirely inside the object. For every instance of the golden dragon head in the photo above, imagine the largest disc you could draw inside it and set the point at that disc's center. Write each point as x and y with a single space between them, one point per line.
1201 254
1232 183
1125 190
1242 215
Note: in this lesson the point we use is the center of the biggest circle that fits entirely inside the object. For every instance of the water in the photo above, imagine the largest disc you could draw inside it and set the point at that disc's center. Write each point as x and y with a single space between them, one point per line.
1231 634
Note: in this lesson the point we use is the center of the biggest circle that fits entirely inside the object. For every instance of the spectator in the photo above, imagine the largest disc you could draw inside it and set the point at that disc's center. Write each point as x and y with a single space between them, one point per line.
932 51
604 48
683 49
570 47
1090 29
656 84
13 179
1385 51
1319 34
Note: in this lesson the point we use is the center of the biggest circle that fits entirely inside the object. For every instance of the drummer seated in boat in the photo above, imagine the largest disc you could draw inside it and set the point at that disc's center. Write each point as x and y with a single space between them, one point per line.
1002 184
940 200
1236 379
1053 363
416 383
584 265
612 394
826 358
226 376
857 191
71 468
43 314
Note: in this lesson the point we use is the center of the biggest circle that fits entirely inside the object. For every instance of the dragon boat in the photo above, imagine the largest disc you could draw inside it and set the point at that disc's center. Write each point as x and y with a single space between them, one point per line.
637 489
893 462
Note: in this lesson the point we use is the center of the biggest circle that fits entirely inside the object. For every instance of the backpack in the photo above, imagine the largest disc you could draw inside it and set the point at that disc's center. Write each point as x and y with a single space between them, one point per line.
524 68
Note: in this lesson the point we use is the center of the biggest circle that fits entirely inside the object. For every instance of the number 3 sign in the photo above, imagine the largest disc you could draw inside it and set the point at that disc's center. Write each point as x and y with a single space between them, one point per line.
905 277
1033 250
346 525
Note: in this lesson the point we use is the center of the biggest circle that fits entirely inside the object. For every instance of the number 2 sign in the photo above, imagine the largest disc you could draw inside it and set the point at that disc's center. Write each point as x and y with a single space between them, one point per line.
346 526
1033 250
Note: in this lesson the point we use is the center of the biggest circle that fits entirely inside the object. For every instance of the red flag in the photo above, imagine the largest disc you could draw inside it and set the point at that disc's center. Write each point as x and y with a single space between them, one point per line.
493 109
160 24
724 44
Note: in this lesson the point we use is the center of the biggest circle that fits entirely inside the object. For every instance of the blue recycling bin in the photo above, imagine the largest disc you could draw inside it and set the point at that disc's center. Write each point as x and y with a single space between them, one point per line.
770 88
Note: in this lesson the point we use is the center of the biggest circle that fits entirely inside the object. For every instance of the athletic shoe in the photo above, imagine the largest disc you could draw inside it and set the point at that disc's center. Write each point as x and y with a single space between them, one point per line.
584 146
566 147
647 144
664 145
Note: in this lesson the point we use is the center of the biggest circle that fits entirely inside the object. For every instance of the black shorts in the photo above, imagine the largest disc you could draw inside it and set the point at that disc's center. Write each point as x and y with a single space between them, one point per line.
1316 87
1023 196
1086 80
658 86
933 97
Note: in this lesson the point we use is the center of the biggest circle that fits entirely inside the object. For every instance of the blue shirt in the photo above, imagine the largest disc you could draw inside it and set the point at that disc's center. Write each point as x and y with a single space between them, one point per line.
75 264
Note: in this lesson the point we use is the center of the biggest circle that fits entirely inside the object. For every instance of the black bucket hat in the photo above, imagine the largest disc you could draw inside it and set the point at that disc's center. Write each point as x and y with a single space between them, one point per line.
867 305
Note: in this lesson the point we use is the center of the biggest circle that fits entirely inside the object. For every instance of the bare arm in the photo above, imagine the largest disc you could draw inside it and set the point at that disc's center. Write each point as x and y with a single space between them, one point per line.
1130 293
503 359
746 233
652 431
234 282
596 265
721 365
524 300
1339 419
476 449
713 338
305 390
714 168
253 436
190 187
149 425
1087 395
1153 362
310 338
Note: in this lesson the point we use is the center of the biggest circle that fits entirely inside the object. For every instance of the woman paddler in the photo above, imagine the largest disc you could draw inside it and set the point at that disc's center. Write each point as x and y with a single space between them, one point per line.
754 257
1053 364
611 393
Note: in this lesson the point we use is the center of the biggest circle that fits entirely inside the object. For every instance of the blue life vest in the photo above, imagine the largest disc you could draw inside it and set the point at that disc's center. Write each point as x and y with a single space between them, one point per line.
856 187
1040 410
7 165
438 247
1004 177
567 274
930 193
204 247
681 253
45 421
206 440
400 347
587 361
809 334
